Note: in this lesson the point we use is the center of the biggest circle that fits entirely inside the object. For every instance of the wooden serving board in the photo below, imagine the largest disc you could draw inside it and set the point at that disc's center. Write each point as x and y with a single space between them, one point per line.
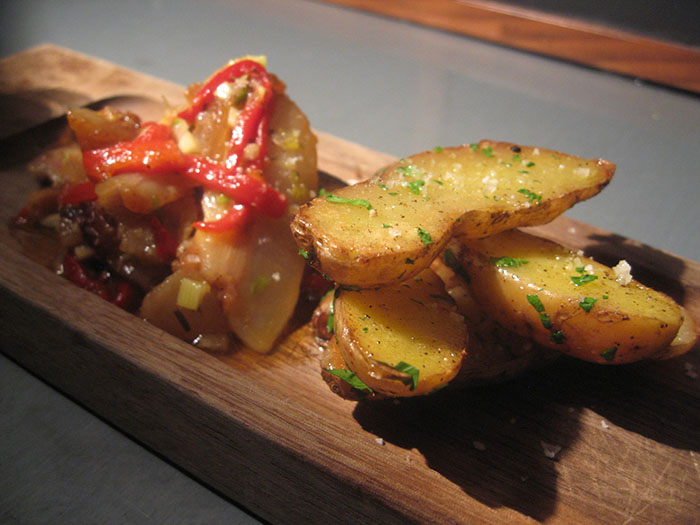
267 432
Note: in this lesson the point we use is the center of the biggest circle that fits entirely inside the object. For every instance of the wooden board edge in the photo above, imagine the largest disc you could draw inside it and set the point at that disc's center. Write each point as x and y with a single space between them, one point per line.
29 99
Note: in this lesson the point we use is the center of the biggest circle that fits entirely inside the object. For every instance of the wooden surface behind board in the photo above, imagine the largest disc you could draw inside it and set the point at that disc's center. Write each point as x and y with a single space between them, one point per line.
663 62
266 431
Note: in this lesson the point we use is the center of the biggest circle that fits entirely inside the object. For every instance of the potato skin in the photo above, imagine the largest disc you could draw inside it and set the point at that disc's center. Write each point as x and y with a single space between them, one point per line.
389 228
331 361
530 285
414 323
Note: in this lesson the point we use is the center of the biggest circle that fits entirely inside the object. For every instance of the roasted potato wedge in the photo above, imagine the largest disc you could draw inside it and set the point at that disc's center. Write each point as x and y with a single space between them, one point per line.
391 227
566 301
400 341
686 338
495 353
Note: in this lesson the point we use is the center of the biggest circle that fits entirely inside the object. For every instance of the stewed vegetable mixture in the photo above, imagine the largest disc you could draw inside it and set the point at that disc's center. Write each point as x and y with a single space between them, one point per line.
186 220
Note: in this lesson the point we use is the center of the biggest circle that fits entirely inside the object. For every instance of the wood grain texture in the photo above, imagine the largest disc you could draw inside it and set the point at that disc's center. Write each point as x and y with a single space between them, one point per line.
591 45
266 431
67 80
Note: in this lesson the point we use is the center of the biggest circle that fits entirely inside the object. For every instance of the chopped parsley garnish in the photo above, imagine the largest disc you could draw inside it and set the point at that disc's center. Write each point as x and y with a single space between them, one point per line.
415 186
557 337
411 371
509 262
408 170
580 280
539 307
304 253
531 195
536 303
474 146
382 186
330 197
386 225
530 164
453 263
546 321
609 354
436 181
424 236
488 151
516 158
437 149
587 303
331 312
349 377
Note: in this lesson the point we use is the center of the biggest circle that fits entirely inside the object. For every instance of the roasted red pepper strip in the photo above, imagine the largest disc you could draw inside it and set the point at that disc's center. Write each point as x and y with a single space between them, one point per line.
155 156
155 151
251 123
206 93
234 220
125 297
242 188
153 131
77 193
166 245
75 273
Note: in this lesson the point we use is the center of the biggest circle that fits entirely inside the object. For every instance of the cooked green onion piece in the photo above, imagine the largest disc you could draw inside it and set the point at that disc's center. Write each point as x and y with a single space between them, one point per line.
191 293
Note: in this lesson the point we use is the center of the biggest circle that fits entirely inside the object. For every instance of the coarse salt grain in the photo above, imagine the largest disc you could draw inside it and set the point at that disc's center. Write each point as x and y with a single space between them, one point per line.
550 450
478 445
623 272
